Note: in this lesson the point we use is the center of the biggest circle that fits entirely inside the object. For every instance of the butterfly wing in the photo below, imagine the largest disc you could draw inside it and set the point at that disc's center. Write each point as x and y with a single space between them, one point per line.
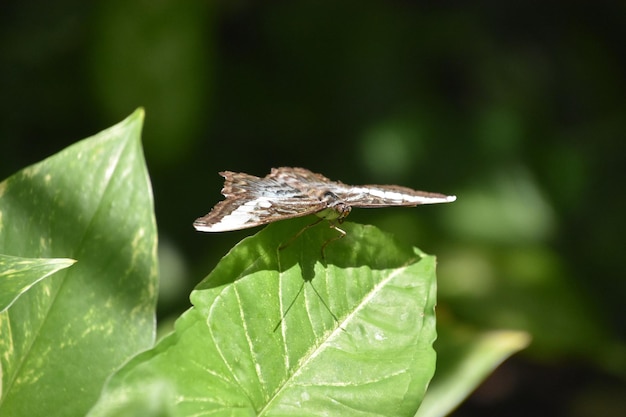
286 193
252 201
358 196
389 195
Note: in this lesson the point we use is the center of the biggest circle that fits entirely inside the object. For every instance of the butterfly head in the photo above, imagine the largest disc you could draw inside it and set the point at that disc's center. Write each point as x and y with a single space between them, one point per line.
336 209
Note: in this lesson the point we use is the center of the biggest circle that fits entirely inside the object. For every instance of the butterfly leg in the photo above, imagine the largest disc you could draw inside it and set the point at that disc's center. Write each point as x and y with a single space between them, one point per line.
342 234
300 290
289 307
297 235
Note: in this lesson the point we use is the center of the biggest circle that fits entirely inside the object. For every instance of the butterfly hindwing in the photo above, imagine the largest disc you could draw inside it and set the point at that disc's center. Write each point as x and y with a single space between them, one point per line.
252 201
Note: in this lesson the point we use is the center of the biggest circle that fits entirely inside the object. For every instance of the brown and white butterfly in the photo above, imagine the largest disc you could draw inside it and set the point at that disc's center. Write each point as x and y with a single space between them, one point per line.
286 193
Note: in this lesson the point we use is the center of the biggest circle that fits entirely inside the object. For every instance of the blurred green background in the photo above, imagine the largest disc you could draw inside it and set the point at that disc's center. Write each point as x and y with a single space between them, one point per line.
519 109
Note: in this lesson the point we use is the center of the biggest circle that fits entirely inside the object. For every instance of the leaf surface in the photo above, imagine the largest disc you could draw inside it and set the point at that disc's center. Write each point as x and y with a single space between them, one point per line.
465 360
91 202
291 332
17 275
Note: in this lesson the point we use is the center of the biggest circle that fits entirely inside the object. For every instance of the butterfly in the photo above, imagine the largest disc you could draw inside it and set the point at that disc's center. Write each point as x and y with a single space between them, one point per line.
287 192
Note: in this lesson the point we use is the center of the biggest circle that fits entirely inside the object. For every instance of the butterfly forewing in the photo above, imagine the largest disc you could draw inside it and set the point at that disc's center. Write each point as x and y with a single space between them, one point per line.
391 195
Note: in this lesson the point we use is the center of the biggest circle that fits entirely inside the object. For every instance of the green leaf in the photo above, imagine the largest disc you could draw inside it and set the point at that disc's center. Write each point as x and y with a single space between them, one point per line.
61 339
465 360
292 332
17 275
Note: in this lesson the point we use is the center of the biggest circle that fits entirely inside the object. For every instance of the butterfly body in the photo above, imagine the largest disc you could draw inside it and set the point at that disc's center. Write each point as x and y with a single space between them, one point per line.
295 192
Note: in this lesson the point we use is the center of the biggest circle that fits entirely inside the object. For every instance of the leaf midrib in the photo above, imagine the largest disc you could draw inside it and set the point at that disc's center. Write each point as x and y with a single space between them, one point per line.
317 350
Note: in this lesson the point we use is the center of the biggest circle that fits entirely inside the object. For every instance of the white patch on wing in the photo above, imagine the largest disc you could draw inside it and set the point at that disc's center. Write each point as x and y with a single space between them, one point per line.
239 218
394 196
263 202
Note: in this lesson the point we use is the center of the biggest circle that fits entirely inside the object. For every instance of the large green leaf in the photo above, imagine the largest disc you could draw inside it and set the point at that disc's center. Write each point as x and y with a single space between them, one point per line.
17 275
291 332
60 340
